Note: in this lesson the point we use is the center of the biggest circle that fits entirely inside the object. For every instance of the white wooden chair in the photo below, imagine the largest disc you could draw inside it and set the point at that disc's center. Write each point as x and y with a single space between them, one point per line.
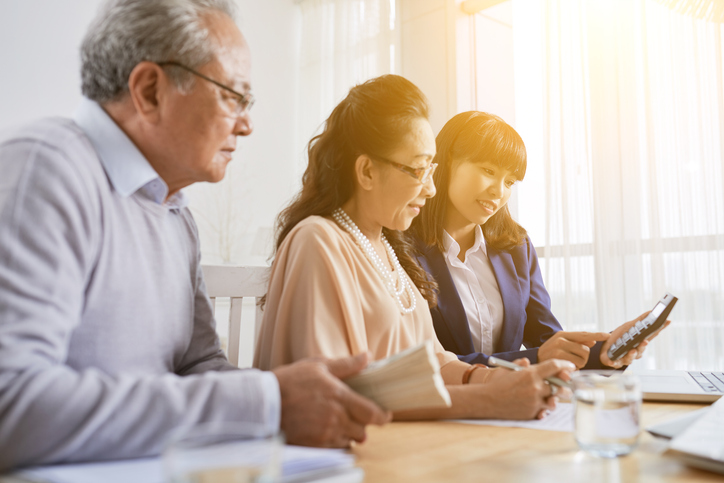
236 283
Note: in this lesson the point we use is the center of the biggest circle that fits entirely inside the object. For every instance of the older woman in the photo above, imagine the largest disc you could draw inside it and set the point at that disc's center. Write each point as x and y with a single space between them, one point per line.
344 279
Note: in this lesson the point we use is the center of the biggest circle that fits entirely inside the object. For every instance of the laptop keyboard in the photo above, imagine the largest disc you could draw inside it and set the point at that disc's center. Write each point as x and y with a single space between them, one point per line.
709 381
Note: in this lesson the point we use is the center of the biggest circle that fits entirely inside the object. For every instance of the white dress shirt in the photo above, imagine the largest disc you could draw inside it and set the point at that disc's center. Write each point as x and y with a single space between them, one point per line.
478 290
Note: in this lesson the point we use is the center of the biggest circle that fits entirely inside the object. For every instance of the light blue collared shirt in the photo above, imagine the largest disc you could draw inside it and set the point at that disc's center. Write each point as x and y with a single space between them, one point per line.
129 171
126 167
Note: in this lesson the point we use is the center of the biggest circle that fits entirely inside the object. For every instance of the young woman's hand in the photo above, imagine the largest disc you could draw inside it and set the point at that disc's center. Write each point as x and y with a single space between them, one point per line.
633 354
570 346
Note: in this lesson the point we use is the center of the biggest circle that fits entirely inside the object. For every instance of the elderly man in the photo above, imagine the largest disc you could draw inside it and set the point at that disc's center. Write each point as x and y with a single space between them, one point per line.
107 339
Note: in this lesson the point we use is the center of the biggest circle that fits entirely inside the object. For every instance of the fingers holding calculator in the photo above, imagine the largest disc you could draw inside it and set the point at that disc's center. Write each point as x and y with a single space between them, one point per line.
628 341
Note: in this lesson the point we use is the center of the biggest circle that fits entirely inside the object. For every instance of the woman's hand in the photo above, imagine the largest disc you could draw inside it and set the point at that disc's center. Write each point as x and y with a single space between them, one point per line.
570 346
523 394
633 354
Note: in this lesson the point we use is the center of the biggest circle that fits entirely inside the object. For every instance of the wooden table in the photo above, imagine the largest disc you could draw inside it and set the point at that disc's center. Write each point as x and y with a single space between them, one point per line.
422 452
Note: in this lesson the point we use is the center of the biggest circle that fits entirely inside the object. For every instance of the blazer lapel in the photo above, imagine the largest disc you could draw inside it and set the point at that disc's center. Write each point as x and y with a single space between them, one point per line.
511 337
448 303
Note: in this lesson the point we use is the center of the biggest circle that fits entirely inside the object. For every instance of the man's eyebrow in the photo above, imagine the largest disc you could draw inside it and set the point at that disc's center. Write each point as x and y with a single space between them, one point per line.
243 87
425 155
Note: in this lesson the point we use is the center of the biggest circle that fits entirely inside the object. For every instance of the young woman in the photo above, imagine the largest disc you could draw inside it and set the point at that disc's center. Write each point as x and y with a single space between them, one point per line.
491 298
344 279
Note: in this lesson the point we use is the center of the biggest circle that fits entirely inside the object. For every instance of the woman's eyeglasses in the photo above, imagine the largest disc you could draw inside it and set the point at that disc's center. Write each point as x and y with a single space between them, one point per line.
422 175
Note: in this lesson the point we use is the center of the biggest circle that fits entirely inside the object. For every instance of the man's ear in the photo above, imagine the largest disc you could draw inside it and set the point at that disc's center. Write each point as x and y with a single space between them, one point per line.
147 85
364 170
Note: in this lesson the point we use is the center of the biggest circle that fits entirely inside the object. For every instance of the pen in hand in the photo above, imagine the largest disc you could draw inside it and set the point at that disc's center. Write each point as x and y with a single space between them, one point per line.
494 361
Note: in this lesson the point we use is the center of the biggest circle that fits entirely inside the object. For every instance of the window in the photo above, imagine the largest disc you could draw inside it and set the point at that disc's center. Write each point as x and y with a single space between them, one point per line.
621 106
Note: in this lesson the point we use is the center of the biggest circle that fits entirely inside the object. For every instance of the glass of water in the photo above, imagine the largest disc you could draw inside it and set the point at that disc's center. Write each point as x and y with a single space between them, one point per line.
223 453
608 413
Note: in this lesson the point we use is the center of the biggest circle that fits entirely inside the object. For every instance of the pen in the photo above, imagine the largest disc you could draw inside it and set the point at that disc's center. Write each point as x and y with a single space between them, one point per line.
494 361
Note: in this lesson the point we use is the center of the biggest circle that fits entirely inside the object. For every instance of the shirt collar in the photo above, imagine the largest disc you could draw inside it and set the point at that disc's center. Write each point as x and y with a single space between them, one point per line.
452 248
126 167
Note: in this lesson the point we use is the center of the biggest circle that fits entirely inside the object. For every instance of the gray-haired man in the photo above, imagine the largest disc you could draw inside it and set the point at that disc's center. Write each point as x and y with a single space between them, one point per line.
107 340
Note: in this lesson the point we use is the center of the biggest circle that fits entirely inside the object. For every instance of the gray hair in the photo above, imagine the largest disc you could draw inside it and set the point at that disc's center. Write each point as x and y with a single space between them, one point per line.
127 32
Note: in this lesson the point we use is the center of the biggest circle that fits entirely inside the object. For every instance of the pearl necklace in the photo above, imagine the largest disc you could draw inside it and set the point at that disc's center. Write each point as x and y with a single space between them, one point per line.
344 221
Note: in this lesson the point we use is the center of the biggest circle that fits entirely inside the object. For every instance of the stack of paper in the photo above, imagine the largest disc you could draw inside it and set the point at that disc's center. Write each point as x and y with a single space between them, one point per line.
298 459
408 380
299 465
702 443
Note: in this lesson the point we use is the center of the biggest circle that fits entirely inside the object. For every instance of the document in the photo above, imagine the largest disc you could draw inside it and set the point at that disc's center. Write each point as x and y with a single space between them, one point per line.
674 427
560 419
299 464
702 443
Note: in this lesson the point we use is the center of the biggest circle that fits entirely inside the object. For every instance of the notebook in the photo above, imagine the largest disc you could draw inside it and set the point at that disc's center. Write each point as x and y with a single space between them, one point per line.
702 443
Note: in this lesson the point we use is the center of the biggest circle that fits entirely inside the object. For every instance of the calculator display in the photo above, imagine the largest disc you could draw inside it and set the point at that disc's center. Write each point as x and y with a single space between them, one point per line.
657 310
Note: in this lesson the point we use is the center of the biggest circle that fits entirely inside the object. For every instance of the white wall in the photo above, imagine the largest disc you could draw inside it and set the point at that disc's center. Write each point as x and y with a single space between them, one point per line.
427 53
39 41
460 61
263 175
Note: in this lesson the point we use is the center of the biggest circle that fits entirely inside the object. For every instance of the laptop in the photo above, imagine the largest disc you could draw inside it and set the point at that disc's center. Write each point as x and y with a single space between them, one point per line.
685 386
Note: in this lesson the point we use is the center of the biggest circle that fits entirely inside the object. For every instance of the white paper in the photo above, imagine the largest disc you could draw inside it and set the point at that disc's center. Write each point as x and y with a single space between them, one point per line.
147 470
560 419
295 461
705 437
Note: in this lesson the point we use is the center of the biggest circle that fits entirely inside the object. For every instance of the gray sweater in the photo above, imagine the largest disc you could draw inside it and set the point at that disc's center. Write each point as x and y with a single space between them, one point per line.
107 339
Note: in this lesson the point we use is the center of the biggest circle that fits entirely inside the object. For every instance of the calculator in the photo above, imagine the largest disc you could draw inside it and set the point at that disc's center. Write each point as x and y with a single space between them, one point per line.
643 328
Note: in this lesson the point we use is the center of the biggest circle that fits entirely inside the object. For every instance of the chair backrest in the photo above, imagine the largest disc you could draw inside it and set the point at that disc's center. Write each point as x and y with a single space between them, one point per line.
236 283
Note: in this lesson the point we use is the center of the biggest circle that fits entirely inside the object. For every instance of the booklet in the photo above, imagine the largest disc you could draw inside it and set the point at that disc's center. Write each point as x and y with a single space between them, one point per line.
408 380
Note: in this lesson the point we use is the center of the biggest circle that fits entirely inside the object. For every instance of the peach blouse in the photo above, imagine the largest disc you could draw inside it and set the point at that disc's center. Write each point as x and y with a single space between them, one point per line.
326 299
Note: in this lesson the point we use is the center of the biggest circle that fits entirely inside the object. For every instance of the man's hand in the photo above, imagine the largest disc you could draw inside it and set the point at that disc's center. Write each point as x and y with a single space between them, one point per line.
570 346
318 409
633 353
525 394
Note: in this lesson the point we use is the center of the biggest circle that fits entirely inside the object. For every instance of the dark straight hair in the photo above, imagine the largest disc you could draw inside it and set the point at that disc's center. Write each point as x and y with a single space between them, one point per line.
373 119
469 137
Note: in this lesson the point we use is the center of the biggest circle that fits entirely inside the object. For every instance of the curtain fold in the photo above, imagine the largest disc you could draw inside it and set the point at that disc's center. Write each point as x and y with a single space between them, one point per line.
343 43
630 120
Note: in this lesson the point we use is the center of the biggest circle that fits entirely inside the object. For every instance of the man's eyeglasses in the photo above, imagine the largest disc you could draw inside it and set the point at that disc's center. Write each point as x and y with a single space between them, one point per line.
240 103
422 175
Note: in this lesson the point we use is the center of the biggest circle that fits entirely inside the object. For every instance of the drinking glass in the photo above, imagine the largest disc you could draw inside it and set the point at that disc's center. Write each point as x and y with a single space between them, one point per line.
607 413
223 453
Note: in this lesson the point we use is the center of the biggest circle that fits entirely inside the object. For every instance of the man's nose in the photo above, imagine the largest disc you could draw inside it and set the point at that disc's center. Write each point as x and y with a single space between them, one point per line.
243 125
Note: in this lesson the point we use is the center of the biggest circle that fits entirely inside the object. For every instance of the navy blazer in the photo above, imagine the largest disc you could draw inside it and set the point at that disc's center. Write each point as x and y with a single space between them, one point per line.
527 318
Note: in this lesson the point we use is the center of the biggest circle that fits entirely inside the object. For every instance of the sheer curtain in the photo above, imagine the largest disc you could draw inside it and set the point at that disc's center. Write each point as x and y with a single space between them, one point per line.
621 105
343 43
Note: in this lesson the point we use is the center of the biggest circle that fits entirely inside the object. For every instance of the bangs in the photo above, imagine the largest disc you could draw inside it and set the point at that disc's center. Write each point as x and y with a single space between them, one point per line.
490 139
